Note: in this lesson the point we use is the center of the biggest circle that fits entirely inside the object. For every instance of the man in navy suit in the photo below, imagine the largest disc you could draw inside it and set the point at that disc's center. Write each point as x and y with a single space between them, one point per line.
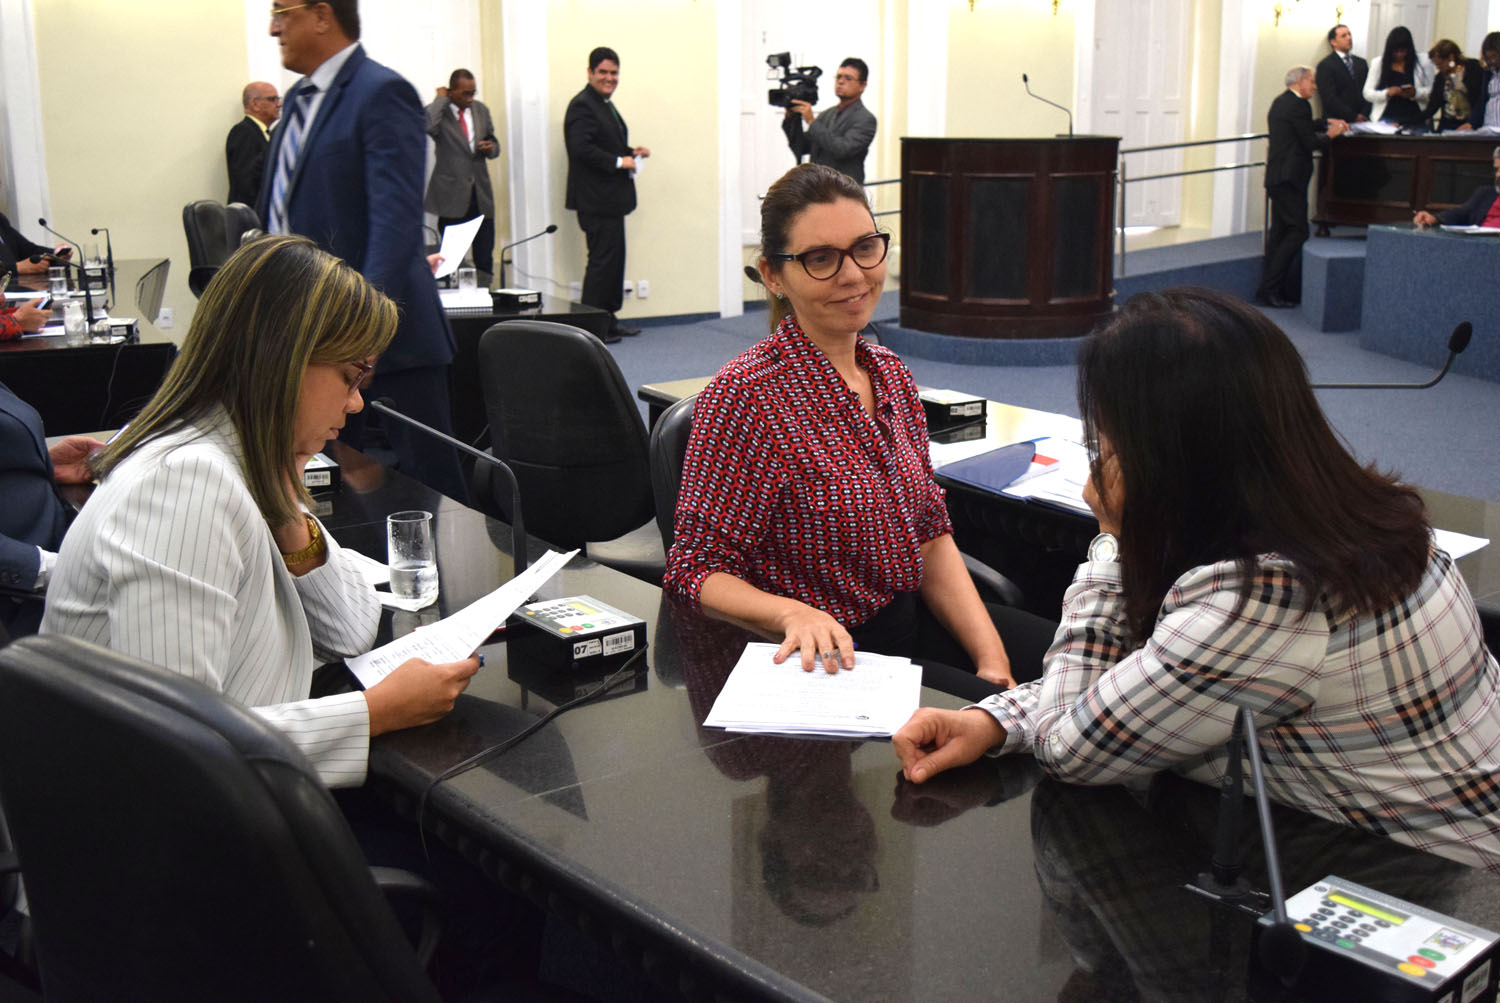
1341 79
601 183
32 516
1480 210
345 169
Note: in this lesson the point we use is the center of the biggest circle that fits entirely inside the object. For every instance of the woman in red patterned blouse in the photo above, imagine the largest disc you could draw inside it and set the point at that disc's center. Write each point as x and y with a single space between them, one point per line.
19 319
808 508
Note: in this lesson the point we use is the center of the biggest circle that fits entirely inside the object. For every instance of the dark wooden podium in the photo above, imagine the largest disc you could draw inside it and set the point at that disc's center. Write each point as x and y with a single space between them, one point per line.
1007 238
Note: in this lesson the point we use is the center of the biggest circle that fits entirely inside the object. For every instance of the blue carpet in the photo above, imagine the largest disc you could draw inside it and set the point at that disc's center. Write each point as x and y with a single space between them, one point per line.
1444 438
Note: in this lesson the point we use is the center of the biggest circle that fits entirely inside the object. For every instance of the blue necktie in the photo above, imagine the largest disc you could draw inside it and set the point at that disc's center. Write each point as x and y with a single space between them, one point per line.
286 159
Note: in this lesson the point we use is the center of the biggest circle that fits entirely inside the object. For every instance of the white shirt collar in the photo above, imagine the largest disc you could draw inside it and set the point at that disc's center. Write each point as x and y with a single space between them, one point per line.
323 76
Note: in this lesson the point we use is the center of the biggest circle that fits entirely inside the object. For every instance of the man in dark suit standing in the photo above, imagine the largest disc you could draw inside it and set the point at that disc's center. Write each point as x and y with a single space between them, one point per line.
1289 164
459 188
1482 208
840 136
345 169
601 183
1341 79
245 148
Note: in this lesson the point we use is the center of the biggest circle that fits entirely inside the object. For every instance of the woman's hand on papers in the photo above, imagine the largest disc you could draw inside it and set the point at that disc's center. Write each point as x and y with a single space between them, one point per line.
821 639
937 740
417 692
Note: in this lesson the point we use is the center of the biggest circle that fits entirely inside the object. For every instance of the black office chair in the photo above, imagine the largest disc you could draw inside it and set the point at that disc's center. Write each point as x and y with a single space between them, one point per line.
213 233
149 290
668 448
175 846
561 415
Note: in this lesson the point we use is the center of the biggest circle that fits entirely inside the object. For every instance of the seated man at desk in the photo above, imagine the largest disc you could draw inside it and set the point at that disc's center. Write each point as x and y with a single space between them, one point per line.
16 251
1481 209
1248 560
33 518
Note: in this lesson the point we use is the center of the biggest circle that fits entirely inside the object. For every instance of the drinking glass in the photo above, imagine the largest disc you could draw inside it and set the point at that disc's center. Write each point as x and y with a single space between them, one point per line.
414 573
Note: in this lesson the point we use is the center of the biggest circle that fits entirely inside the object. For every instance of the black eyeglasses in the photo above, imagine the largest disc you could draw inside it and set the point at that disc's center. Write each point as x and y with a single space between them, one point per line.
825 262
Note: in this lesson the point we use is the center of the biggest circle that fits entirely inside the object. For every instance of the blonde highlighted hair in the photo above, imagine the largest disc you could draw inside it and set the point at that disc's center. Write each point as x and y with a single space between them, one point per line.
278 305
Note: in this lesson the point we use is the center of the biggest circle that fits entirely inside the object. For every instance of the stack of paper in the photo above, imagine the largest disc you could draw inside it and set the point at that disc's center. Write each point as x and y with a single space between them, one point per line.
1056 477
872 701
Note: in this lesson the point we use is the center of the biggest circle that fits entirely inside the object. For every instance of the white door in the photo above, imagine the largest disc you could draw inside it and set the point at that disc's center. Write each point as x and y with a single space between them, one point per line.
1416 15
1140 82
821 35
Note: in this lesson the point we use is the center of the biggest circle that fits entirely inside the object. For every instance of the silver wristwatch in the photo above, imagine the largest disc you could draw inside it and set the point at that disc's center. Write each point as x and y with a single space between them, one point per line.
1104 548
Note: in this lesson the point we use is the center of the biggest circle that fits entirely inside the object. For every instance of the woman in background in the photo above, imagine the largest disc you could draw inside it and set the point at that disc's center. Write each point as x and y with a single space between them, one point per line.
808 510
1397 80
1248 560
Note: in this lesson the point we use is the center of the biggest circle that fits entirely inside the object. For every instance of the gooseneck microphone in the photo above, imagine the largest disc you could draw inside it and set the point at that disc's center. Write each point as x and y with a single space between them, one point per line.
1027 82
1457 342
551 228
83 283
109 247
77 247
517 528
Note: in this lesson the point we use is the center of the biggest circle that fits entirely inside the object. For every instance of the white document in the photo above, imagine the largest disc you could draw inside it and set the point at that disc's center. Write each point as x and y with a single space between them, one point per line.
466 299
1458 545
1477 230
457 636
872 701
456 241
1374 128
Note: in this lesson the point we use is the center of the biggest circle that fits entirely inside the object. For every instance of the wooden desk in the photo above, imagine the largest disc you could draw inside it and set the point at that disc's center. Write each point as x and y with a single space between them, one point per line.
77 390
1367 179
760 868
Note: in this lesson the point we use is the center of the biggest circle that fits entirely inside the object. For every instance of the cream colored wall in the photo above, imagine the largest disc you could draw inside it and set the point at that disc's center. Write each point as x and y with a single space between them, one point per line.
1450 20
667 96
136 101
1203 116
492 82
988 48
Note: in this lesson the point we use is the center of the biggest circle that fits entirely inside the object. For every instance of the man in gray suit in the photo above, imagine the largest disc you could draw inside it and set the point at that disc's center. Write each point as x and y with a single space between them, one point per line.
460 185
841 136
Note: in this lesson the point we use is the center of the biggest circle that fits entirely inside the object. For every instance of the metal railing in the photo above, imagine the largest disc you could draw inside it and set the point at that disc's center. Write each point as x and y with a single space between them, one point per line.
1124 179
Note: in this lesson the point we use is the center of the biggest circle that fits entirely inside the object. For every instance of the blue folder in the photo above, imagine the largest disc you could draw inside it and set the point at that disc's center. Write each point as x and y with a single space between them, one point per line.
993 470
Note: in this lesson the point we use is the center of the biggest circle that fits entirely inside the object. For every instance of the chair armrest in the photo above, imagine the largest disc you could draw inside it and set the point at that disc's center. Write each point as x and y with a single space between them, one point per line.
394 880
992 583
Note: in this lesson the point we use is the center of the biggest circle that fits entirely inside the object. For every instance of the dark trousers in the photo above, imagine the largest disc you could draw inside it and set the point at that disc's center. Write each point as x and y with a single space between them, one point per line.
1282 273
604 278
907 627
484 240
422 394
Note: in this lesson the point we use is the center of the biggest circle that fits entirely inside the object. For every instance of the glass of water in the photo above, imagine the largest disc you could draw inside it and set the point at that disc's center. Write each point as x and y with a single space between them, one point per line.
57 280
468 279
413 561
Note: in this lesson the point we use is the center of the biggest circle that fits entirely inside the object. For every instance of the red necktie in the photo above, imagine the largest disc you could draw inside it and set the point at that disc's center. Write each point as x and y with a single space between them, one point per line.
464 121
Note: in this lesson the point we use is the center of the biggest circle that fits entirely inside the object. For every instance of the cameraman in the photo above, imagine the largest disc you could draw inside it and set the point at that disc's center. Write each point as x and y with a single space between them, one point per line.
840 136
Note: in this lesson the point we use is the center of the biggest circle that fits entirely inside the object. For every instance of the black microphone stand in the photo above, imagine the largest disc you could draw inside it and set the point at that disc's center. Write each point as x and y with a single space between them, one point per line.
109 256
1457 342
83 282
1027 83
551 228
517 526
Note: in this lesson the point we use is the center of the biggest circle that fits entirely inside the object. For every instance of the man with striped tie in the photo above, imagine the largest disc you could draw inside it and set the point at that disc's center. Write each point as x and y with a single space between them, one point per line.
345 169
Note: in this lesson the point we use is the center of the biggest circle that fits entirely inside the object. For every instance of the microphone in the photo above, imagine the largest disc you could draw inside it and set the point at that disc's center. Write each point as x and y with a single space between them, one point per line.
1457 342
77 247
109 247
83 282
551 228
1027 82
517 528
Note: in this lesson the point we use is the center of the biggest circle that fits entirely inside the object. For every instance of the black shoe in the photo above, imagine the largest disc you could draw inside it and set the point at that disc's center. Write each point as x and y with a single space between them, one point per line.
610 336
629 332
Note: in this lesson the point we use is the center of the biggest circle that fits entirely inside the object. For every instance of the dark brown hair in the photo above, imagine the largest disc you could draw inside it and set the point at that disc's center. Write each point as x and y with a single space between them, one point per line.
789 197
1225 454
346 13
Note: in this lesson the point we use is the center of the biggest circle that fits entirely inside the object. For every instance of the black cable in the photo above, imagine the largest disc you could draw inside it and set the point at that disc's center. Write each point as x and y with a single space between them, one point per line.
109 384
515 740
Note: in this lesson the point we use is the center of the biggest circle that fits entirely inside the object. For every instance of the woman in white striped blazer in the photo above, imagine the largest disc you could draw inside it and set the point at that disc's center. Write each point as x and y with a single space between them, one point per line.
196 552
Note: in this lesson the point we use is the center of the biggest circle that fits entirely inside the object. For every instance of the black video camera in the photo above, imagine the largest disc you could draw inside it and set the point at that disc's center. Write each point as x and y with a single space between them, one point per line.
800 84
